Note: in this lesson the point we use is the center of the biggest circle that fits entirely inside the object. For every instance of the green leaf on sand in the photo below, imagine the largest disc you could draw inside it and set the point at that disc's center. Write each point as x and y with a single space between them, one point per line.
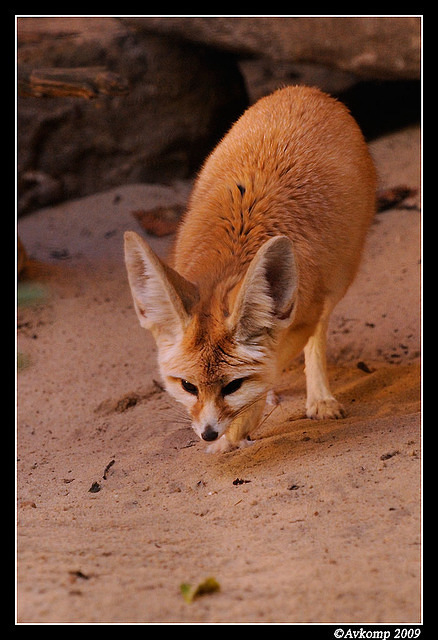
189 592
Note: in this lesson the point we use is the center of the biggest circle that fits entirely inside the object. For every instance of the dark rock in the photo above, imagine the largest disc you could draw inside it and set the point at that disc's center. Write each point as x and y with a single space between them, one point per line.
370 47
182 99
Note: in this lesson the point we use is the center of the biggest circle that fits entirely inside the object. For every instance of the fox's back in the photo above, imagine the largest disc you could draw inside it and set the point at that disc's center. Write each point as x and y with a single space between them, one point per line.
294 164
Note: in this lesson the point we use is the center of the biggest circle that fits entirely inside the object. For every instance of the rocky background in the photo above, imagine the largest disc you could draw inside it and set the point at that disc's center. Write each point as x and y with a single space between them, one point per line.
184 81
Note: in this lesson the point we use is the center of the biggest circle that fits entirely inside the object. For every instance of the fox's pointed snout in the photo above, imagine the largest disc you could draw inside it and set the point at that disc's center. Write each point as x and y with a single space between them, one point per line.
209 433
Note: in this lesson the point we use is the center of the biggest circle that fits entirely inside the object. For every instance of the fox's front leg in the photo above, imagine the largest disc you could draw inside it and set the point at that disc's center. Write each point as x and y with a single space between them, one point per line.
235 436
320 403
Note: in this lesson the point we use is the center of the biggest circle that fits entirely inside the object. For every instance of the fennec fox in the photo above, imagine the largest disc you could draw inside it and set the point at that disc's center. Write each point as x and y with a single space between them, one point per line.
269 244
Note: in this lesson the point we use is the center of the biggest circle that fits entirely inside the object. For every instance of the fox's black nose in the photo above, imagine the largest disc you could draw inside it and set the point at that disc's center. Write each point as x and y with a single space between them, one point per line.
209 433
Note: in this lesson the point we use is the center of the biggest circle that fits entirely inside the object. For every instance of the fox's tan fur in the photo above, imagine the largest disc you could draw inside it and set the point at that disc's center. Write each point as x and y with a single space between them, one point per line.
271 241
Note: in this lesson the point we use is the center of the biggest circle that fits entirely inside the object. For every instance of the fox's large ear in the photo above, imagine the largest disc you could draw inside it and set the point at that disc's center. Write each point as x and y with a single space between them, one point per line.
266 297
162 298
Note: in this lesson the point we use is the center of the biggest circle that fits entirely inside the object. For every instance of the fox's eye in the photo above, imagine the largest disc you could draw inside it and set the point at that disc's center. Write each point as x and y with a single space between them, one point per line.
232 386
189 387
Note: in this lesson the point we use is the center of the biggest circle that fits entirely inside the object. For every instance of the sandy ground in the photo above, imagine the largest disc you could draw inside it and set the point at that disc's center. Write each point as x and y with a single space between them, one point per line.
326 526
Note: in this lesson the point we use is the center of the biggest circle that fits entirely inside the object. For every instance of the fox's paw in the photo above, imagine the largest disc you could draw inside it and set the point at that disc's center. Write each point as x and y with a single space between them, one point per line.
325 408
223 445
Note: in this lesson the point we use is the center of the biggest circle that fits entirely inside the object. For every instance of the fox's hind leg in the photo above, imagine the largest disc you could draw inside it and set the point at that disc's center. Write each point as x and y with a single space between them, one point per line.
320 401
